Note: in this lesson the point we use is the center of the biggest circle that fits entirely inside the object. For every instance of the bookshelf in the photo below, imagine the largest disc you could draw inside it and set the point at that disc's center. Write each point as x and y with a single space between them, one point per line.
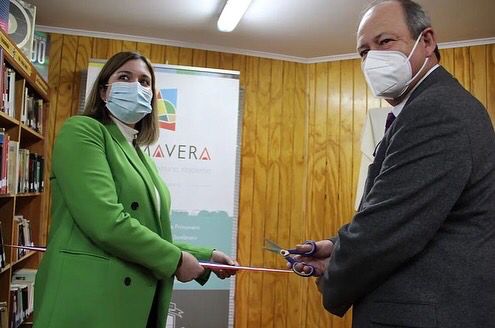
23 109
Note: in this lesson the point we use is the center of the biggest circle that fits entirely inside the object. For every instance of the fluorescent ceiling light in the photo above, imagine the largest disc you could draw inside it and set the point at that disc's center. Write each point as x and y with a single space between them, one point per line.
232 14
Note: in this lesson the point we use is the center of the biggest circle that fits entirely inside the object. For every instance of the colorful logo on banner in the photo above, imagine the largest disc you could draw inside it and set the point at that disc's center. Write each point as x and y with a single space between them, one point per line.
167 113
167 108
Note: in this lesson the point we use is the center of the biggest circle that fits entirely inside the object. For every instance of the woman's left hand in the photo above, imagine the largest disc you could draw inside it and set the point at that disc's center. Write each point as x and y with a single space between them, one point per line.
222 258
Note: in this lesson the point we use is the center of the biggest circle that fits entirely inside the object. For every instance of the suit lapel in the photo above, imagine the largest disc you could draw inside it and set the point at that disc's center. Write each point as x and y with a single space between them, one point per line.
154 178
164 196
132 156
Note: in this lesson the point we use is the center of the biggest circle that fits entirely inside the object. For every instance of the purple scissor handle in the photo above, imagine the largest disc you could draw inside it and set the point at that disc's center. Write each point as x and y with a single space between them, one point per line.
308 253
286 253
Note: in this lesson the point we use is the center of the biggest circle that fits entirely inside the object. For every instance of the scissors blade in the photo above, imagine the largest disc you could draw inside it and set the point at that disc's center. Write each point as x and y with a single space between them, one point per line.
272 246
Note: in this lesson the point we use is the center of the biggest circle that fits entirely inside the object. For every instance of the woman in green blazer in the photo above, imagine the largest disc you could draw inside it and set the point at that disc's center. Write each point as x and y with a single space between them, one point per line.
110 260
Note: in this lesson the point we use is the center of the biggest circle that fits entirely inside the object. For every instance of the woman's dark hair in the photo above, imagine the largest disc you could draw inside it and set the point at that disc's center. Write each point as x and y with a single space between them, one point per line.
95 106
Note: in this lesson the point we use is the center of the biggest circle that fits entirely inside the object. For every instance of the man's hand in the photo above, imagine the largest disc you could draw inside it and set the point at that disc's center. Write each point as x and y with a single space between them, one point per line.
319 260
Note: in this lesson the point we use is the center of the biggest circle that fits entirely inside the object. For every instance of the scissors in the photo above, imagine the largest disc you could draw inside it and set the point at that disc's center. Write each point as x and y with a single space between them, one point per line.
286 253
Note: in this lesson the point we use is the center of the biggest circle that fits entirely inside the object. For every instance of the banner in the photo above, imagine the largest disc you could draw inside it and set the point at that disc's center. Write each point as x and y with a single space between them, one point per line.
198 156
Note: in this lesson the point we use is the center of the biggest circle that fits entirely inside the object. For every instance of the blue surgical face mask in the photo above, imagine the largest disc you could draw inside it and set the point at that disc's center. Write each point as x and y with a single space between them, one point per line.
129 101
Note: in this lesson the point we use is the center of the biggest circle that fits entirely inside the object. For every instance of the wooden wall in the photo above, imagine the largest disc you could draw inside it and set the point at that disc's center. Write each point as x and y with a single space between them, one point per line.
300 154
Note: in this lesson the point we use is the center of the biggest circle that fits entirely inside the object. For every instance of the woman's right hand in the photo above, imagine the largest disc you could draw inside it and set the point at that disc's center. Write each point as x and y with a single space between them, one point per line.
189 269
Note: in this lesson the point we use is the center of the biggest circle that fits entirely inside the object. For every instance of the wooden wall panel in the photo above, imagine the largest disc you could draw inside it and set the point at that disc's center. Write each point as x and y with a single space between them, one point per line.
158 53
129 46
360 110
462 66
144 49
337 89
226 61
258 255
447 59
296 287
246 220
477 69
213 59
82 57
55 55
490 84
274 119
100 48
238 64
199 58
114 47
66 84
185 56
285 189
346 189
172 56
300 154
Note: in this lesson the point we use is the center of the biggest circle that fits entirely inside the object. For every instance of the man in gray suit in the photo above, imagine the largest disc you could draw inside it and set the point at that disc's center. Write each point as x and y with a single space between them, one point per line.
420 251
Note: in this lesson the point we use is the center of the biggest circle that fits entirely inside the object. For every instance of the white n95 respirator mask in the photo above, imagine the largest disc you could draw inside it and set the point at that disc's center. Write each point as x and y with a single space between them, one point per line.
389 73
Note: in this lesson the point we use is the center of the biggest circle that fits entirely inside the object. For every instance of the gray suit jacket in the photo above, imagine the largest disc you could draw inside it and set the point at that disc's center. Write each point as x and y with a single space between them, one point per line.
420 252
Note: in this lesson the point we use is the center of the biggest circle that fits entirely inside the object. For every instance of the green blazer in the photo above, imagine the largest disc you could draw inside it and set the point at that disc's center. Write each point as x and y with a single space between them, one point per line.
109 250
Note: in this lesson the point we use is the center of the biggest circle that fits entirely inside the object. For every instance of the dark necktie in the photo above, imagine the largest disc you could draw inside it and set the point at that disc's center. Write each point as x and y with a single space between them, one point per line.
390 120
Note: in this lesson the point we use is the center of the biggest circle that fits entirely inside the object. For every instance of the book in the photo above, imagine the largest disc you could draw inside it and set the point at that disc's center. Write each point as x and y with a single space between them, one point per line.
25 274
4 315
12 167
4 15
26 279
2 78
4 145
23 236
9 101
16 237
22 301
14 307
3 256
23 177
38 115
3 101
41 175
31 168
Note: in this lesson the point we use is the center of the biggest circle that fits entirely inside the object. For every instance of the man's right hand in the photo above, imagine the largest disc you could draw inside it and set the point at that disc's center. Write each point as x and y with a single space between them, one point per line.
323 248
319 260
189 269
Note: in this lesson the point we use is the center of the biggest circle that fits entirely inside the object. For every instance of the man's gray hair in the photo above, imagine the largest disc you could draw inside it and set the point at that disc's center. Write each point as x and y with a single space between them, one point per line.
416 18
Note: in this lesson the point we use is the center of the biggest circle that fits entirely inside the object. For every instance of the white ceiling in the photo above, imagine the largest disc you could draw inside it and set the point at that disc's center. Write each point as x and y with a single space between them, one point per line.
299 30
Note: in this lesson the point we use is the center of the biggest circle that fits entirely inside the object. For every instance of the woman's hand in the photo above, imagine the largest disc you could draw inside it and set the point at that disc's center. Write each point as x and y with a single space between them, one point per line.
222 258
189 268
